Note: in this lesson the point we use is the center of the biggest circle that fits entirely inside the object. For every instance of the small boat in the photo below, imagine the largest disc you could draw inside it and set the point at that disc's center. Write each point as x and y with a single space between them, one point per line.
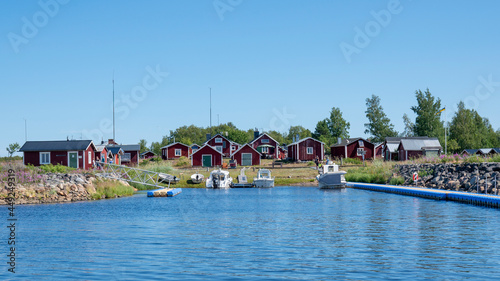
263 179
166 178
197 178
330 177
219 179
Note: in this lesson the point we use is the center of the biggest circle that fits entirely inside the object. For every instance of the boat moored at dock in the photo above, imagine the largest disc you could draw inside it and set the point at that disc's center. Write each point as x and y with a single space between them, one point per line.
330 177
219 179
263 179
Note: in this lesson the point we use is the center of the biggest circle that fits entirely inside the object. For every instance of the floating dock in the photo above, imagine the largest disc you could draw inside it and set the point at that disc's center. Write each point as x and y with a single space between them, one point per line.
438 194
242 185
164 192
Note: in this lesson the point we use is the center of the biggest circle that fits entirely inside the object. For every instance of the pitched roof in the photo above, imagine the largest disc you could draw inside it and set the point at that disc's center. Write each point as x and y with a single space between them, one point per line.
420 144
299 141
169 145
469 151
65 145
145 152
130 147
100 148
115 150
497 150
348 141
213 148
485 150
247 144
261 135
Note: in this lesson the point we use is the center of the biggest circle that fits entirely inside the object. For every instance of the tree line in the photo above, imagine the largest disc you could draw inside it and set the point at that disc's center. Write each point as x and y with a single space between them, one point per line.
467 129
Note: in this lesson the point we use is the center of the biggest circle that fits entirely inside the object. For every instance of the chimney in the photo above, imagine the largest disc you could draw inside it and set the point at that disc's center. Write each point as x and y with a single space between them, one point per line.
339 140
111 141
209 136
297 137
256 134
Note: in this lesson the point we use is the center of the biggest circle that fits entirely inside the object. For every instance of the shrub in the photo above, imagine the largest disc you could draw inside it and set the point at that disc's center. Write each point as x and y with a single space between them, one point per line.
49 168
110 189
311 163
354 161
398 180
183 161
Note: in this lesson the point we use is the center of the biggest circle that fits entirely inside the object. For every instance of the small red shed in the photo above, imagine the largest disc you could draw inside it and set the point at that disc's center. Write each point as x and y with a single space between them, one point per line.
206 156
102 153
306 149
246 156
353 148
175 151
148 154
78 154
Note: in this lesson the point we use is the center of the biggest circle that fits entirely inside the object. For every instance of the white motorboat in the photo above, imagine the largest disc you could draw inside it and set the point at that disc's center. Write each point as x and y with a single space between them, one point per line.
331 177
263 179
169 179
197 178
219 179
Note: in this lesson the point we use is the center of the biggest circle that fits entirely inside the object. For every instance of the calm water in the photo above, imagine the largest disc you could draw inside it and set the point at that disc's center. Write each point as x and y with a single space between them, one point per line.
255 234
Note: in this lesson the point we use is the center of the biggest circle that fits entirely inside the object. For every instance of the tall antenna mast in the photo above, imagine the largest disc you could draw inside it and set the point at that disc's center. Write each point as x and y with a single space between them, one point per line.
25 131
210 111
113 105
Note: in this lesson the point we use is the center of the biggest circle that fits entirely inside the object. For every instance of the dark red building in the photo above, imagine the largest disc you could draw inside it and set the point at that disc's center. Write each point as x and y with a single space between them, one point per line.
148 154
246 156
266 145
175 151
78 154
306 149
206 156
223 145
353 148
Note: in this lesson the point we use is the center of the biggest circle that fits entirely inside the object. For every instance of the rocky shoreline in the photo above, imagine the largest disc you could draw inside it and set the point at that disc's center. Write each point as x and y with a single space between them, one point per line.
467 177
57 188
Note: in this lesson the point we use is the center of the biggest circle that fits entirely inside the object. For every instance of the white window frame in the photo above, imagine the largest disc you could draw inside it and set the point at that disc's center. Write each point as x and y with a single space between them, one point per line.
310 150
265 149
89 154
127 156
361 143
41 158
358 152
218 140
178 152
265 141
218 148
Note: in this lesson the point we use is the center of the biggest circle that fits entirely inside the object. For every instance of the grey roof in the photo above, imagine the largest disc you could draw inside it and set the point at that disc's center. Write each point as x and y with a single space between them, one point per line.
469 151
497 150
126 147
115 149
417 144
348 141
485 150
65 145
392 147
147 152
169 145
99 148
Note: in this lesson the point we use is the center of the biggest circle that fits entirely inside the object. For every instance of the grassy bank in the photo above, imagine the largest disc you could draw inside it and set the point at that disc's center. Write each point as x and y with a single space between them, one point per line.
377 171
111 189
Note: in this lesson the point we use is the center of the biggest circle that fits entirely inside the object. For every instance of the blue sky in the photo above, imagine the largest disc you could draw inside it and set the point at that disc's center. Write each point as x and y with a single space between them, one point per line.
270 64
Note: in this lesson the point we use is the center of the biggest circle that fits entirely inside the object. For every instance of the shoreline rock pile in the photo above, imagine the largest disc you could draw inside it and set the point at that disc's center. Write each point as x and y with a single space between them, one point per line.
468 177
55 188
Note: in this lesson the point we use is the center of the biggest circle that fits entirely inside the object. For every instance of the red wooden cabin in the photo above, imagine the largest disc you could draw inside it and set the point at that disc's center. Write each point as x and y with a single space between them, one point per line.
175 151
206 156
247 156
306 149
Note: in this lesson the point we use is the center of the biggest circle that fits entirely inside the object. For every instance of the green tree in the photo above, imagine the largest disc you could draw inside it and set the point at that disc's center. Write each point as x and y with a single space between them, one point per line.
143 146
277 136
469 130
322 133
297 130
409 126
156 148
13 148
427 122
379 125
338 126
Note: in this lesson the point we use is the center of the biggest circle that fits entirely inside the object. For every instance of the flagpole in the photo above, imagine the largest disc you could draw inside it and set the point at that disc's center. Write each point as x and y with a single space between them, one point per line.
445 129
